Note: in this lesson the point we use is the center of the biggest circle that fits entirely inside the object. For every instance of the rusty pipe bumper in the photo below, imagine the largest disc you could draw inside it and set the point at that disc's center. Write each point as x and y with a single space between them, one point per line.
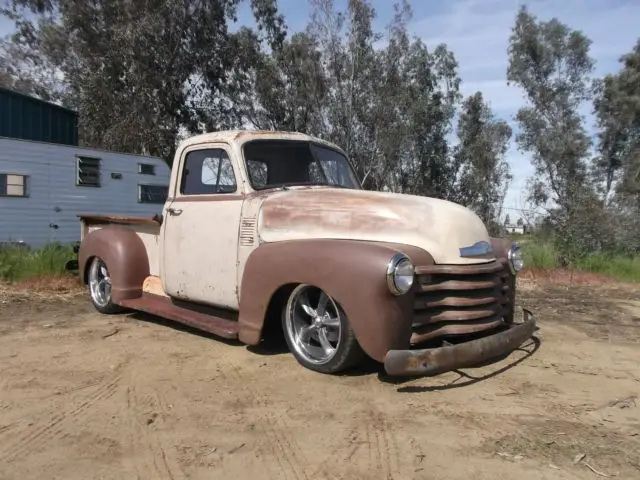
432 361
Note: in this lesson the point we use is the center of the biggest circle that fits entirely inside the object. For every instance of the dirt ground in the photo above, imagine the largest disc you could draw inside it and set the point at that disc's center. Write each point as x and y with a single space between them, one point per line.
85 396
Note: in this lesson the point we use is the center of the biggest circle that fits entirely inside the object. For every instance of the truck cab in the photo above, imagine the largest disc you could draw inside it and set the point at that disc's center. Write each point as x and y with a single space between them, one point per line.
273 229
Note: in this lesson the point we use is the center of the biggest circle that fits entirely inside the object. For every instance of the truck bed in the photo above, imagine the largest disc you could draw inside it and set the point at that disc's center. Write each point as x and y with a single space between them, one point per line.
147 228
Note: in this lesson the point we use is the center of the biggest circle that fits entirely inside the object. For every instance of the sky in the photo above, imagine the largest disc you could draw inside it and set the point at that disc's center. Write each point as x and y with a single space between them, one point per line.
477 31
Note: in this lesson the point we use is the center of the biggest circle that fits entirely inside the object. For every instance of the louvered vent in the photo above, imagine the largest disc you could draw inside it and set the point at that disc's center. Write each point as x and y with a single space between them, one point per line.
247 231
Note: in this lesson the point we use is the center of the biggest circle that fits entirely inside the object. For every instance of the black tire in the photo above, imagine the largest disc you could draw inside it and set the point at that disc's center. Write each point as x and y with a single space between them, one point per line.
346 353
97 279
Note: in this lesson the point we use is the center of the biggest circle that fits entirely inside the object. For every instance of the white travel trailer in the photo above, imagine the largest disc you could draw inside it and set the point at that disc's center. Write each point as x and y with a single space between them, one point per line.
44 186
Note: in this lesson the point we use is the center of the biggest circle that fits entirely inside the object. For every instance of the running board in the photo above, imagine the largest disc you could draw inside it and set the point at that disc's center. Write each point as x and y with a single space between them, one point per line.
164 307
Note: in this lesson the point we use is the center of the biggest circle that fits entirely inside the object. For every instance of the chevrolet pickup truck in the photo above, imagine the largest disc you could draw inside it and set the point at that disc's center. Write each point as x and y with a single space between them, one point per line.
273 230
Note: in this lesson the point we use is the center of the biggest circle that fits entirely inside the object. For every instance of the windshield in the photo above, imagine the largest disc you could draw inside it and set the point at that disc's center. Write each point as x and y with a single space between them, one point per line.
277 163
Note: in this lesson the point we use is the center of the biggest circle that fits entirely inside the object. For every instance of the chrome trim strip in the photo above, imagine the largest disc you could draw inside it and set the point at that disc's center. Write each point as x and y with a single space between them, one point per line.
478 249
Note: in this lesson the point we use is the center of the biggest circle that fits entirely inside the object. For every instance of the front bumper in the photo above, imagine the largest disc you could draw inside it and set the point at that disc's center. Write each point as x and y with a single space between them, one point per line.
432 361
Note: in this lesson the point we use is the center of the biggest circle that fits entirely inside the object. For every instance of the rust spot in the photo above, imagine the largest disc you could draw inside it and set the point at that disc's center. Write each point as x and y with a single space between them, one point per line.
344 210
460 299
430 332
432 361
194 317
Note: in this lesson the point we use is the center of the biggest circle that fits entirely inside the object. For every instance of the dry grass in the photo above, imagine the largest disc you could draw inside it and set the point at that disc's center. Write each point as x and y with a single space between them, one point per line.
44 287
564 277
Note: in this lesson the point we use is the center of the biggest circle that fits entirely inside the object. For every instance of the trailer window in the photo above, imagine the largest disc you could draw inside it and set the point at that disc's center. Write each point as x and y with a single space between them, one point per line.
146 169
88 172
13 185
152 193
207 171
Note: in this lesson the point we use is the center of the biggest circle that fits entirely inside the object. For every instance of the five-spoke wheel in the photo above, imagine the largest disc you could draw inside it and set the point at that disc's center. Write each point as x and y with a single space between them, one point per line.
100 287
318 332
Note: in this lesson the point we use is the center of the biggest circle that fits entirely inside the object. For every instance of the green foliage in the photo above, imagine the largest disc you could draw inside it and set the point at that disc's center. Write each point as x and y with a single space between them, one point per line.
136 71
620 266
542 253
484 174
21 263
617 107
551 63
140 72
539 253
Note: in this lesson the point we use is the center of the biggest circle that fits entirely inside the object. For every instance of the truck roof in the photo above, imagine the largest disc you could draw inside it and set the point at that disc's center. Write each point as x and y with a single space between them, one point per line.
242 136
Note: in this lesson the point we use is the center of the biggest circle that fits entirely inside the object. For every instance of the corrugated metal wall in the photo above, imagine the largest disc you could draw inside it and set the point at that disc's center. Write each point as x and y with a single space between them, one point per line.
48 212
28 118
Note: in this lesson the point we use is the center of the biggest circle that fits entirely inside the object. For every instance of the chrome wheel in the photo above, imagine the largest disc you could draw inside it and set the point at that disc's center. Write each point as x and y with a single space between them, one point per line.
312 323
99 283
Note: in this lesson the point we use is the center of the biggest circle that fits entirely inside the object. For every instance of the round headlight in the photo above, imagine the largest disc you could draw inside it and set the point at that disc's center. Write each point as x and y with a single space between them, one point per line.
400 274
516 261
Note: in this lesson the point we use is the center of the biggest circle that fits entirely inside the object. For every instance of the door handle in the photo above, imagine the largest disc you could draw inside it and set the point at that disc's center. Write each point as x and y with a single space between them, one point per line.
174 211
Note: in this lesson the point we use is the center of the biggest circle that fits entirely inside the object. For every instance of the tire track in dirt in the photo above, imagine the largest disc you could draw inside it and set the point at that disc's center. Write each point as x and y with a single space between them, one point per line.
53 429
381 452
285 450
150 458
385 443
343 453
7 428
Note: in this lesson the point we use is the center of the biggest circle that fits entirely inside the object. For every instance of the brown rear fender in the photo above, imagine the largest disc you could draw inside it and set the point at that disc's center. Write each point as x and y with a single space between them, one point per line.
352 272
125 256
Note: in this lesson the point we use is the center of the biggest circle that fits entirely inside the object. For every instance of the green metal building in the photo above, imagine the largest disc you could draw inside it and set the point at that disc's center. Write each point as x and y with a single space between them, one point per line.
28 118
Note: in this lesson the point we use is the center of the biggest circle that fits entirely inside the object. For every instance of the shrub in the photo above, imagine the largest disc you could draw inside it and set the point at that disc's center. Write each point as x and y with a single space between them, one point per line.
21 263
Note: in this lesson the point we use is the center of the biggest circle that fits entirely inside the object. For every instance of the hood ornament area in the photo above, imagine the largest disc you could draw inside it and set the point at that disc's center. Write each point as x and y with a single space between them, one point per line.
478 249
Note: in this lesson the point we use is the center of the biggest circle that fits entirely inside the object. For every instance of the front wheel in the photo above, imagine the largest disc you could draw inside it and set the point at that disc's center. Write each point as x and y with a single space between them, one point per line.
100 287
318 332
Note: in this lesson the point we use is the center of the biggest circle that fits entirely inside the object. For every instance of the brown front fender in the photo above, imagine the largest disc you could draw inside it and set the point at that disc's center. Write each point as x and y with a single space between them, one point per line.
352 272
125 256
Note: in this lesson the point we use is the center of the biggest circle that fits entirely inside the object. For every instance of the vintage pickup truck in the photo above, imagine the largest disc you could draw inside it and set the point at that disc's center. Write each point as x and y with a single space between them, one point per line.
272 231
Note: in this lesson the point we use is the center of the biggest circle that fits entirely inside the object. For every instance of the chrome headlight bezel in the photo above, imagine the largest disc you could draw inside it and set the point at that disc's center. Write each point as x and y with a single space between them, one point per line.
516 262
398 282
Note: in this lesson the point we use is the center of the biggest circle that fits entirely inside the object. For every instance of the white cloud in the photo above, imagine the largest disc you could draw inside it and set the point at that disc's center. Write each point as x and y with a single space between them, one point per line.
478 31
6 27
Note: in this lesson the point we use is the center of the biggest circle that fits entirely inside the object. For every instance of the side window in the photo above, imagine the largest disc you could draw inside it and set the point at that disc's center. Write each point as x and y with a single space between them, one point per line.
88 172
152 193
146 169
13 185
206 172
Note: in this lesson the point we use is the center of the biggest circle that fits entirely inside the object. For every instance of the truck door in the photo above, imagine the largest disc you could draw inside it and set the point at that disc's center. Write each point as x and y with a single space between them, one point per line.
199 244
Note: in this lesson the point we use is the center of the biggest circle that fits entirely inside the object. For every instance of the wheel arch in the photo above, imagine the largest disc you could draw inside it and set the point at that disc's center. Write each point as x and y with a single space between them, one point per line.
350 271
125 255
272 326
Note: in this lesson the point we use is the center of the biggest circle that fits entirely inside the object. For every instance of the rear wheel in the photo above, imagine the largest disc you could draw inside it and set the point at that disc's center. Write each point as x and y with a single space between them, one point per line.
318 331
100 287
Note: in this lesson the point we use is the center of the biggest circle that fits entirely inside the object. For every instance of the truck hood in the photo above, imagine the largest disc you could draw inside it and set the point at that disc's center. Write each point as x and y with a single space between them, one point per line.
439 227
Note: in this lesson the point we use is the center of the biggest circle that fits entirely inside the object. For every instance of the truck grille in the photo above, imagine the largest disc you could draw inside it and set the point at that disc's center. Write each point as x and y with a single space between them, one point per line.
459 299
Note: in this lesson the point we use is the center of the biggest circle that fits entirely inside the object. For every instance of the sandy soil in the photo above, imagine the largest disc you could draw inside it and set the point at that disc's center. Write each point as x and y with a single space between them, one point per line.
84 396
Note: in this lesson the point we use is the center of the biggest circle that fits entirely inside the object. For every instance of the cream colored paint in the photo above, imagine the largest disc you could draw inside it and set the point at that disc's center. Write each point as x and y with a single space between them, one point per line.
199 252
150 236
437 226
200 256
199 247
233 140
249 211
